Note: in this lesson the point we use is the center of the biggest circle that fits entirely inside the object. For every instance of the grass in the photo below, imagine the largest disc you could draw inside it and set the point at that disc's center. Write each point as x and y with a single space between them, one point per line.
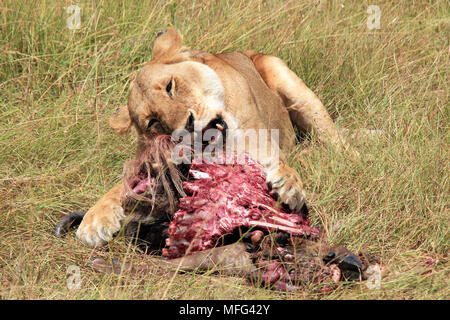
58 87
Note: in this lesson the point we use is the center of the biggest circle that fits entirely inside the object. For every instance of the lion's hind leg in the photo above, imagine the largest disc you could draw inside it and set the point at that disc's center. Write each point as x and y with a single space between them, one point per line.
305 109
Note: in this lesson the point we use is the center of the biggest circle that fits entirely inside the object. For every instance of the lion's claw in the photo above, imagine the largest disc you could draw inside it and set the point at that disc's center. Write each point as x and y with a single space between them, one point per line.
286 186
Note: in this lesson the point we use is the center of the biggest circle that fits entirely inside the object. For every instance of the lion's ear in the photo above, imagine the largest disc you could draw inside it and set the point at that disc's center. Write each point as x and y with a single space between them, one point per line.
121 121
167 43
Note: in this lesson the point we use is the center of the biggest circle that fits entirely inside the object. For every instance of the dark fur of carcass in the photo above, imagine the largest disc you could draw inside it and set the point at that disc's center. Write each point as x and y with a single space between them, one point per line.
152 189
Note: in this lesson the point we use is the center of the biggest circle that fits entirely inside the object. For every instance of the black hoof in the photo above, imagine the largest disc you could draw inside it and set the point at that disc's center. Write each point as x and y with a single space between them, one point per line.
68 221
350 266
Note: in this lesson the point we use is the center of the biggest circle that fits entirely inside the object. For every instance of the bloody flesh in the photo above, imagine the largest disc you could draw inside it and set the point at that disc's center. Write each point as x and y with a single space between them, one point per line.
225 195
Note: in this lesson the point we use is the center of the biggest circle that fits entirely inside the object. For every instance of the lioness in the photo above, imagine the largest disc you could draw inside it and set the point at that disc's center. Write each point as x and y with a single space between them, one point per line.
181 89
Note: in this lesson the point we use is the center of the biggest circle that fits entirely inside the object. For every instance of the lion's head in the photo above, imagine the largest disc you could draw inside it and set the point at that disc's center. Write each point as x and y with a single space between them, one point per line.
172 92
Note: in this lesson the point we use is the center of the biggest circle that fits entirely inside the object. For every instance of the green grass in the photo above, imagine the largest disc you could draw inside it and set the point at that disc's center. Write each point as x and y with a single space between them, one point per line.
59 86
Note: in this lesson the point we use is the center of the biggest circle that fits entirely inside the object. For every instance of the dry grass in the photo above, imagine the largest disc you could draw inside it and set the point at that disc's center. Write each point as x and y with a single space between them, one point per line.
58 86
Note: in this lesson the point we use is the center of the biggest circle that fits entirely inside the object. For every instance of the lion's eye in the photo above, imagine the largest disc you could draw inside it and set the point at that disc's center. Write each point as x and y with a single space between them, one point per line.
170 86
151 123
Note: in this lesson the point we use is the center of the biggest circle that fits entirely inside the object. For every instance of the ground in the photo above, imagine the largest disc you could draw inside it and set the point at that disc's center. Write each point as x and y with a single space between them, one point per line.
58 86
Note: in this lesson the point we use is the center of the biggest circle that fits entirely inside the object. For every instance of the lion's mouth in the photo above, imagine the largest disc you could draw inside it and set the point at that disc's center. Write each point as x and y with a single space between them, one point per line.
214 132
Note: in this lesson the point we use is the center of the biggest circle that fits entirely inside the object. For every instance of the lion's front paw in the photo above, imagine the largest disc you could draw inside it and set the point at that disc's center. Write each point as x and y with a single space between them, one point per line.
287 187
99 225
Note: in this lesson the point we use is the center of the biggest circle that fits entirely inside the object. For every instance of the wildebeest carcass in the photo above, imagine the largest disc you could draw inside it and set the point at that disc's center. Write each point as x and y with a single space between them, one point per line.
220 215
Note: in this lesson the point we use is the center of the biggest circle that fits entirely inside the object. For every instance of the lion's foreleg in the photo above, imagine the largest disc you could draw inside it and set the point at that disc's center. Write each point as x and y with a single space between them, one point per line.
103 220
